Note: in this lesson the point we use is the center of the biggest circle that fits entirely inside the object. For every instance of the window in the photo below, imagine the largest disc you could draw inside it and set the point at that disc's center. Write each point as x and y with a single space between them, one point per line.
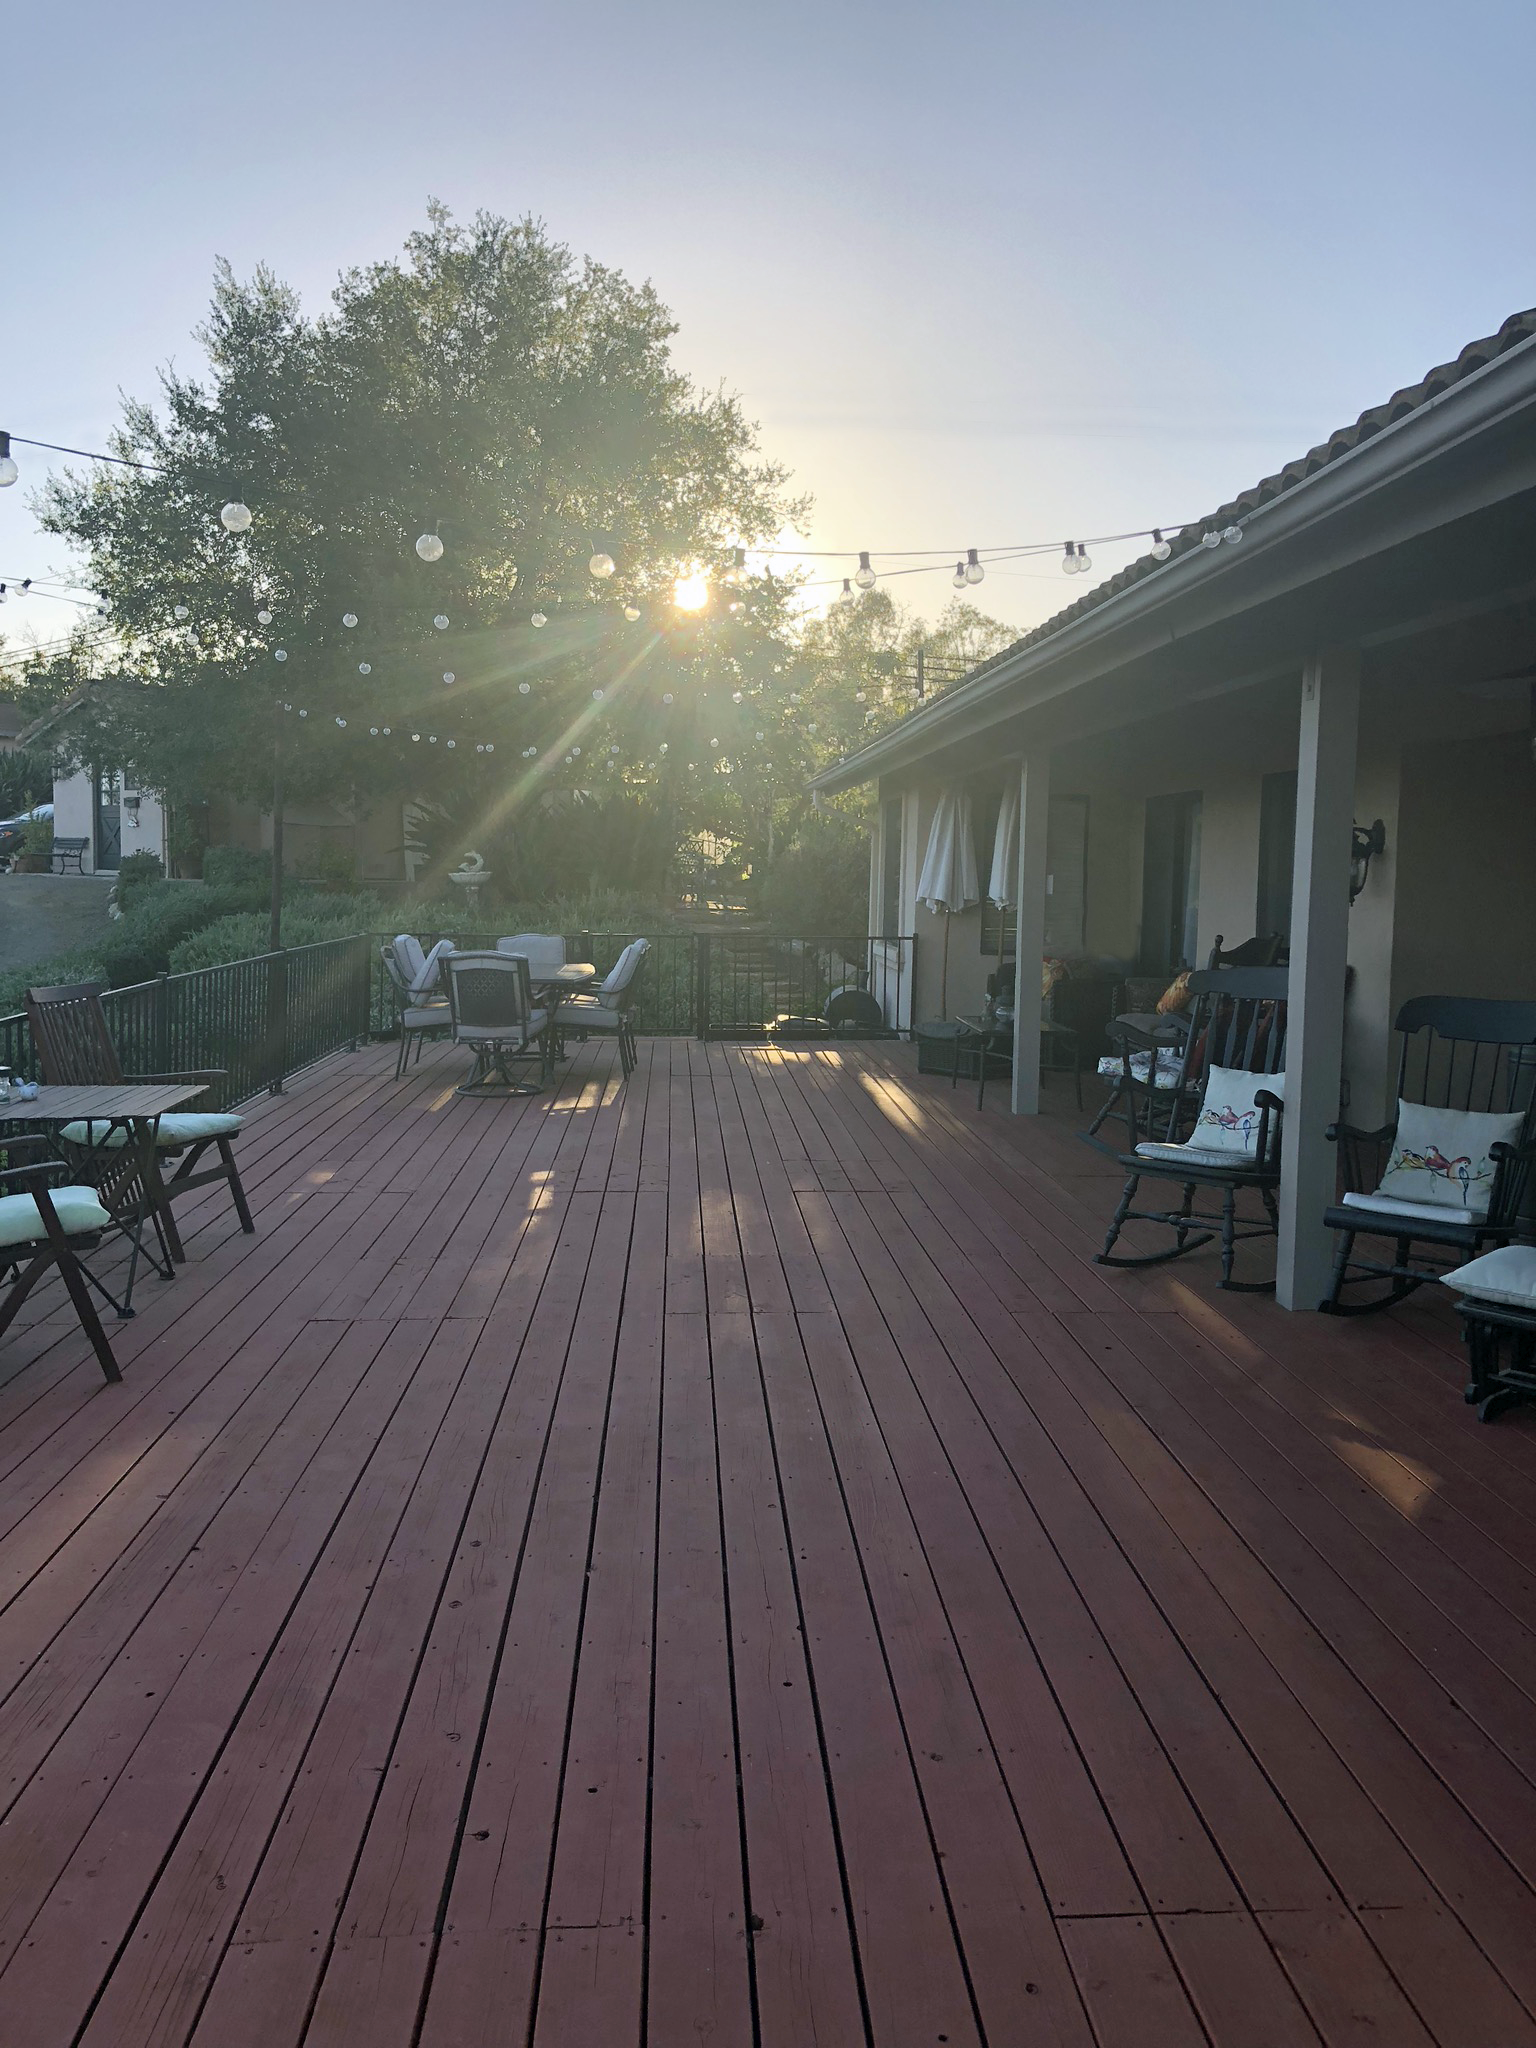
1277 853
890 868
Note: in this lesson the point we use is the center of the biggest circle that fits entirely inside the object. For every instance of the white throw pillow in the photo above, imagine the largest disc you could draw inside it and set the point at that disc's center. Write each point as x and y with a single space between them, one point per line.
1441 1156
1230 1117
1507 1275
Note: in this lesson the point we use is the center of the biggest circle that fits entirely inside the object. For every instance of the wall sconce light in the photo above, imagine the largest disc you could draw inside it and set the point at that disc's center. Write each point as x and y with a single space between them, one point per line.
1365 842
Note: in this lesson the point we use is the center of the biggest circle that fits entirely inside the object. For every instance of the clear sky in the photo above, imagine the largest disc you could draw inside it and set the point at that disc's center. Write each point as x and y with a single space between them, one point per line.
985 274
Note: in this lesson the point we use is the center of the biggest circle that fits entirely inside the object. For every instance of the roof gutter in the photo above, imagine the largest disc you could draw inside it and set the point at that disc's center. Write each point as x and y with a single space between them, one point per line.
1485 399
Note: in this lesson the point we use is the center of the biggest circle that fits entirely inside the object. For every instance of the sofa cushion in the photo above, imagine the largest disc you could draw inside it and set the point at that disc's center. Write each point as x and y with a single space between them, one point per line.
1507 1276
175 1129
78 1210
1442 1156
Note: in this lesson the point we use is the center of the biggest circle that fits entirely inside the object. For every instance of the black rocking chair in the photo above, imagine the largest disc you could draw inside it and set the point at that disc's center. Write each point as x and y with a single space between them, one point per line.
1458 1053
1236 1020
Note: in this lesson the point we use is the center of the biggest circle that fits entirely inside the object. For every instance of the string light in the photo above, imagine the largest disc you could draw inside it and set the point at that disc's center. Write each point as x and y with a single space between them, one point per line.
349 619
365 668
539 619
958 579
441 622
279 654
263 618
235 516
845 597
430 547
523 689
1069 559
601 565
8 470
974 572
864 575
631 612
181 612
1161 549
1231 535
1084 560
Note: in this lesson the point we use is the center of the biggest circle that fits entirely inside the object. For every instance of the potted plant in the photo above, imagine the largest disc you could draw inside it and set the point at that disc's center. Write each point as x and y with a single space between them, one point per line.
36 855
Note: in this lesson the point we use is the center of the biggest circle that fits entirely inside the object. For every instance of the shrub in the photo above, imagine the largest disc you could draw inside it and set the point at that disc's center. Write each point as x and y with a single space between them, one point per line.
334 866
237 867
37 836
306 921
133 876
819 886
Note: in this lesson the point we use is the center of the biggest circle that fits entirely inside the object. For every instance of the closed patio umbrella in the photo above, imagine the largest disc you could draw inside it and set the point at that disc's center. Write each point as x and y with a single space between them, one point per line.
948 881
1005 847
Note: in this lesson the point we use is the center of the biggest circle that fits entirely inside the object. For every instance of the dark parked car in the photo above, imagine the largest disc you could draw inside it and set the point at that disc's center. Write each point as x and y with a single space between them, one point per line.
12 829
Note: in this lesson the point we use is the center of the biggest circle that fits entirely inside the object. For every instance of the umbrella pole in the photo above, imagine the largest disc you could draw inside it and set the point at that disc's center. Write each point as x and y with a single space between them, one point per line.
944 972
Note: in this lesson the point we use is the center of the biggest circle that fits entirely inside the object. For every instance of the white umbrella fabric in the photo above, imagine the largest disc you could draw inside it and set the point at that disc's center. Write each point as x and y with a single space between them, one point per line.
949 881
1005 847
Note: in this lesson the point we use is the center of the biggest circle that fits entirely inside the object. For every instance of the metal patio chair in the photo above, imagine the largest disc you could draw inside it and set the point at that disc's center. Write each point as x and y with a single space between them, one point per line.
1456 1194
494 1014
417 1016
1219 1126
608 1011
75 1049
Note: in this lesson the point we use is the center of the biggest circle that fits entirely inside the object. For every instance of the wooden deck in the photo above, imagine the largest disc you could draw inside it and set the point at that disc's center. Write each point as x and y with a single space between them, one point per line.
712 1562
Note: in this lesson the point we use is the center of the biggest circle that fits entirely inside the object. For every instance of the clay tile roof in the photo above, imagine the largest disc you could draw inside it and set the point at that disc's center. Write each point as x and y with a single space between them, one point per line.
1475 356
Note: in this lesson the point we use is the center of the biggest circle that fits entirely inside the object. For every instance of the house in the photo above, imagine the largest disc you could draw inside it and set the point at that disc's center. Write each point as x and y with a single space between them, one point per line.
1350 643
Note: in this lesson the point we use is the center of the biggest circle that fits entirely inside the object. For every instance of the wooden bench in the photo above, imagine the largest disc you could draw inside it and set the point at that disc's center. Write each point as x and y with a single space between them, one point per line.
67 850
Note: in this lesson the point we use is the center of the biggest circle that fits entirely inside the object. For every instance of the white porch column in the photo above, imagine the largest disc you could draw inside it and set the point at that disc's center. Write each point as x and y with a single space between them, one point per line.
1029 931
1314 1055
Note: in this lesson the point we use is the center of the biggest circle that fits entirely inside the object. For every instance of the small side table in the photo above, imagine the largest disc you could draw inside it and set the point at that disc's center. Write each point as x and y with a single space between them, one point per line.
993 1040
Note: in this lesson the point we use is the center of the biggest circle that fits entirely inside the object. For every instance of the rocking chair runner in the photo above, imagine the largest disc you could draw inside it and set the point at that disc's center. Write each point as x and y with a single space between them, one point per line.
75 1049
1462 1059
1235 1042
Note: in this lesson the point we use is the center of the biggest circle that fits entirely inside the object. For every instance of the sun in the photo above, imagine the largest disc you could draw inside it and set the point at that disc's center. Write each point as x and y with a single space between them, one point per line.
691 593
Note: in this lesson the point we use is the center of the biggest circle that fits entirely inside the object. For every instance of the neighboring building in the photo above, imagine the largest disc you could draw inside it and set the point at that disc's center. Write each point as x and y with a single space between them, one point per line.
1192 742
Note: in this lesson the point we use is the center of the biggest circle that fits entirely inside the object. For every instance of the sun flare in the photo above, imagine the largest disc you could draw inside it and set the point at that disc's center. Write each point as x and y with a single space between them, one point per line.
691 593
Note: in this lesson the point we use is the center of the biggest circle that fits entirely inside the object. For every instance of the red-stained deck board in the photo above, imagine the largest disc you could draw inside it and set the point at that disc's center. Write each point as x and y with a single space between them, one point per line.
709 1558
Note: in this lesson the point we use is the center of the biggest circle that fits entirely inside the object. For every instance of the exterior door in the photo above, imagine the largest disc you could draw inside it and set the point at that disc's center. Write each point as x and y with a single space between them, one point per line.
1170 884
107 839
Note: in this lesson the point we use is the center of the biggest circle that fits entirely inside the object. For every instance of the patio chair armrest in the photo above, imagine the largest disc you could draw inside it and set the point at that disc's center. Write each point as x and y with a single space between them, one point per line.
1264 1098
1128 1038
1344 1133
37 1174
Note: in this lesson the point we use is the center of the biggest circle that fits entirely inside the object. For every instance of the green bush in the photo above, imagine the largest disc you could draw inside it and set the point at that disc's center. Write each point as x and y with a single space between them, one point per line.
137 871
306 921
237 867
37 836
819 886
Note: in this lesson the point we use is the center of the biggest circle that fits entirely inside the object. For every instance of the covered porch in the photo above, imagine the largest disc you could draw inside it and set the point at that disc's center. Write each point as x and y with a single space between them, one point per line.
712 1559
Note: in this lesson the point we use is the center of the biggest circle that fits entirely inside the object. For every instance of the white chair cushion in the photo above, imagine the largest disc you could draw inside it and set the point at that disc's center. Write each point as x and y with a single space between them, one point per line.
1224 1156
588 1016
1170 1064
174 1129
426 1015
539 949
1442 1156
78 1211
1412 1212
500 1034
624 969
412 961
1507 1275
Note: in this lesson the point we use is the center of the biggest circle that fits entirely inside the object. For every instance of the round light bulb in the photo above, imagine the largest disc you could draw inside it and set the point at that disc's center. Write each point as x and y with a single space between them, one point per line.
181 612
576 751
429 547
974 572
263 618
714 743
490 749
597 696
666 696
303 714
341 721
441 622
386 732
1069 559
760 735
1161 549
1232 535
373 732
1210 539
1084 561
845 598
539 619
8 470
858 696
416 736
864 575
365 668
601 565
235 516
349 618
958 579
631 612
662 748
279 654
449 676
453 743
523 689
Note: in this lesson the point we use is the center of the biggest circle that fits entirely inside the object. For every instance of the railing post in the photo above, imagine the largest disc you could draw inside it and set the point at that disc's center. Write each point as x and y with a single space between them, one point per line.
701 984
362 991
277 1020
160 1023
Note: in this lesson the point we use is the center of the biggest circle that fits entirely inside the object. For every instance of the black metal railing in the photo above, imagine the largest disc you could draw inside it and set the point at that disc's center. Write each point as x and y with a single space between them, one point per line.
720 983
259 1019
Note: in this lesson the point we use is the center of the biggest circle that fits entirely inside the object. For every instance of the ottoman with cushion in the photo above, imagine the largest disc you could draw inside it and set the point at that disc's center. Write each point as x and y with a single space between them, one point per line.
1497 1307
